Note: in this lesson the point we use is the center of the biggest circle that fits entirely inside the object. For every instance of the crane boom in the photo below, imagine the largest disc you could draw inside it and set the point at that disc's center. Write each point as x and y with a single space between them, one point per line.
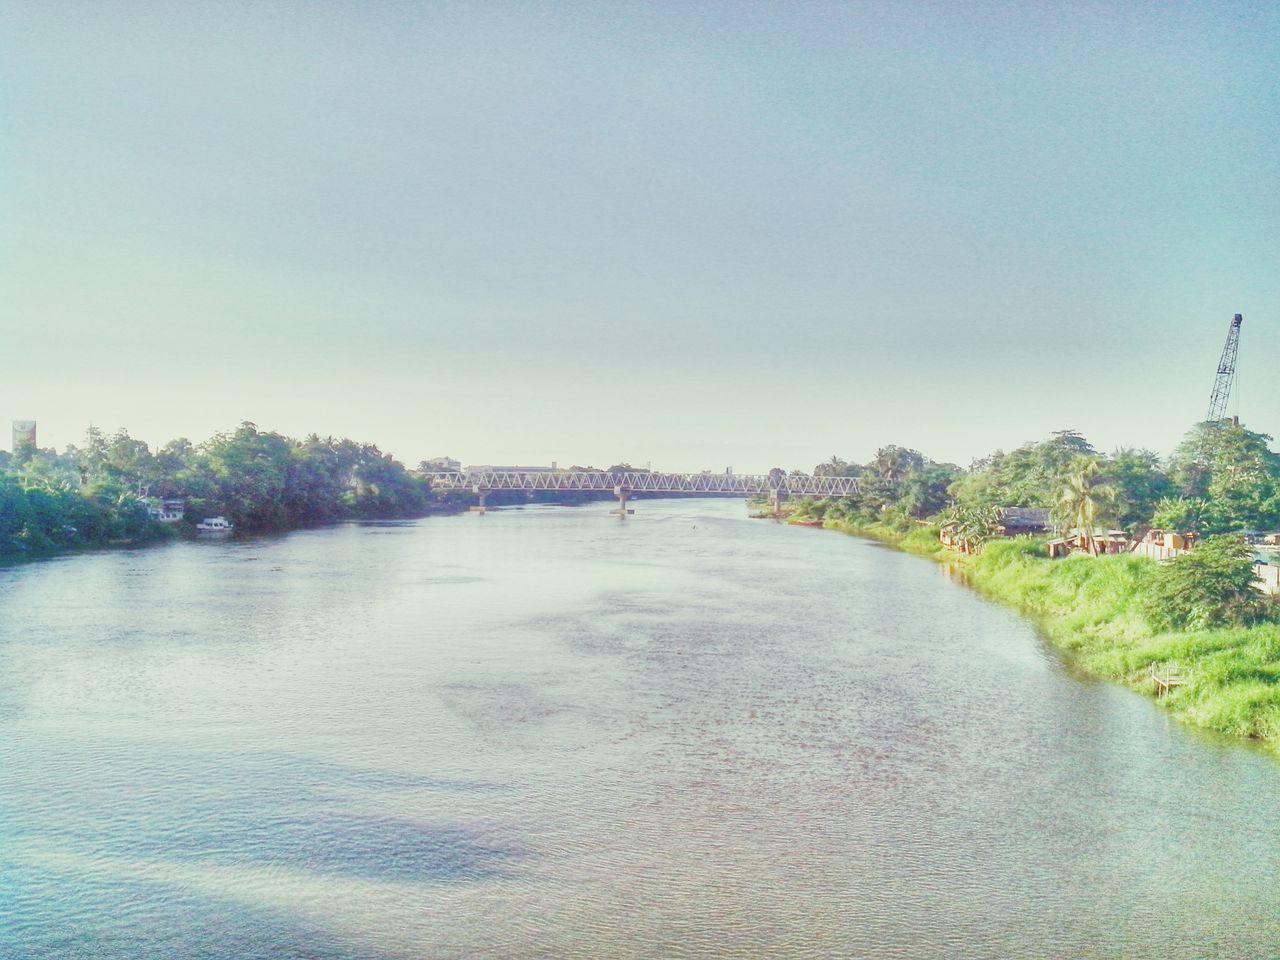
1226 373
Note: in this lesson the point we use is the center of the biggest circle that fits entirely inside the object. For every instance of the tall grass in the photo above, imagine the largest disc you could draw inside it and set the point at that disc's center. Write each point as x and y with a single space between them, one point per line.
914 538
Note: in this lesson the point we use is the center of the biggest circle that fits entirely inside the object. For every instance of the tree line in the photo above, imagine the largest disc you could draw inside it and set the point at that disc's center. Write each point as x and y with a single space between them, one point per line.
1223 477
98 493
1222 480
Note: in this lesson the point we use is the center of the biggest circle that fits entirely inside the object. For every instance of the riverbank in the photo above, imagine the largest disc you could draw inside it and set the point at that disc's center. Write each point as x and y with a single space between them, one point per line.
157 534
1092 608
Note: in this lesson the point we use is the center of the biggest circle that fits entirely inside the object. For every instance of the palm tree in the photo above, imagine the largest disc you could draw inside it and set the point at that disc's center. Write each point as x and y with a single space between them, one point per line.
1080 501
835 467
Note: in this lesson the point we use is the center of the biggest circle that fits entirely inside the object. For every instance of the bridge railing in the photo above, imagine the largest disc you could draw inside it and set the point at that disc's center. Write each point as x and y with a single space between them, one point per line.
801 485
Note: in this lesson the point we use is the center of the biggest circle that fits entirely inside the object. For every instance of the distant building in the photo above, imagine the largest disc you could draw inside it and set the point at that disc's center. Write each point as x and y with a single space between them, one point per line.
491 468
1010 522
166 511
24 431
442 464
1018 521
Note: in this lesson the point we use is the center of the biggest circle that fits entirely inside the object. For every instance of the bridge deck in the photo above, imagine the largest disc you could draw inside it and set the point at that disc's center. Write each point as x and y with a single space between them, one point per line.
800 485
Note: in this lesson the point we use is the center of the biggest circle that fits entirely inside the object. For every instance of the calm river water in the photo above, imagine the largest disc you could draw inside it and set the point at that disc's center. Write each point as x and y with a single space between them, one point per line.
551 733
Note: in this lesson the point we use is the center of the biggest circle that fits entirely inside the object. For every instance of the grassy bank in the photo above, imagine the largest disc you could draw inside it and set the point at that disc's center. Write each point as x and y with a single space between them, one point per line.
1093 608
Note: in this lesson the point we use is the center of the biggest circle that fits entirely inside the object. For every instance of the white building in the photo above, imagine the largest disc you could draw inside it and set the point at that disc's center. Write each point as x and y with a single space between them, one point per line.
166 511
494 468
442 464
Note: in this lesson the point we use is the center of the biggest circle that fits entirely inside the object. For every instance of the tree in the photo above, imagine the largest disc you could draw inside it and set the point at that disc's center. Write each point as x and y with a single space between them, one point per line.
381 487
1029 476
893 463
1071 442
971 527
1082 499
1180 514
1234 471
1241 493
172 462
924 492
1139 484
835 467
93 455
1212 586
246 471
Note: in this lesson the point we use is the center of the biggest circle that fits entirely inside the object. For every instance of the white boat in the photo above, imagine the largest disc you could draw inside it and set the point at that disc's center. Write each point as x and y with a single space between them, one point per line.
215 526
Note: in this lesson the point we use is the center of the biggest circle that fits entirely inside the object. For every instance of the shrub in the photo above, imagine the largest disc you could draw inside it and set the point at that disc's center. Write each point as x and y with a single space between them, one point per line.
1212 586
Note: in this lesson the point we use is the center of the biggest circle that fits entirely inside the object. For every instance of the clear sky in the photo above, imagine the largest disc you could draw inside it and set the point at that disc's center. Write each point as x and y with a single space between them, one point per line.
692 234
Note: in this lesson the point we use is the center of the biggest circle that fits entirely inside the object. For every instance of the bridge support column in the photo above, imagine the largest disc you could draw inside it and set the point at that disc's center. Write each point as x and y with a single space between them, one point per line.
480 492
776 497
622 493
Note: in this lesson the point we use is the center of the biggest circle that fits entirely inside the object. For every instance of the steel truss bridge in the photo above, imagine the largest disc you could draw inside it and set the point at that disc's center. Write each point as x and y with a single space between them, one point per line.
776 487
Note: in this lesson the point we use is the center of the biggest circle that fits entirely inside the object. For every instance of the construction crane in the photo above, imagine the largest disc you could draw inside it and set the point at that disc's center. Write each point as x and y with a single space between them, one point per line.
1226 373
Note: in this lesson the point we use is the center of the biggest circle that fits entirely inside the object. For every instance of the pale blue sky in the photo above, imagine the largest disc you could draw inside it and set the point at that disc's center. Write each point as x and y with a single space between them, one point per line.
695 234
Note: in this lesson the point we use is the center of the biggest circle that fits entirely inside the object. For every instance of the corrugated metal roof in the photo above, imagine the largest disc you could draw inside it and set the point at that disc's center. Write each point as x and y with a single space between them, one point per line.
1026 515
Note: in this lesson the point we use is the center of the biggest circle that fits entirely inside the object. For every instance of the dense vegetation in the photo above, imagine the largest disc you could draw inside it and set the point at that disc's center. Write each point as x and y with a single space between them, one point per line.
1200 615
1222 478
98 493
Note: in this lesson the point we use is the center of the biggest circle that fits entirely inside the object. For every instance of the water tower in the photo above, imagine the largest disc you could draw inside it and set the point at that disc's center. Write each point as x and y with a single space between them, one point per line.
24 431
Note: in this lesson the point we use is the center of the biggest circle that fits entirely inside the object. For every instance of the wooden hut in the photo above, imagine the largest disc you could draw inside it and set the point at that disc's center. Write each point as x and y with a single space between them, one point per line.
1019 521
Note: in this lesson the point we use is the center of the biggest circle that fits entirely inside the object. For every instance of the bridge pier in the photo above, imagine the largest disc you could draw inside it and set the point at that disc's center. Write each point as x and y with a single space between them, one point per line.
622 493
480 492
776 496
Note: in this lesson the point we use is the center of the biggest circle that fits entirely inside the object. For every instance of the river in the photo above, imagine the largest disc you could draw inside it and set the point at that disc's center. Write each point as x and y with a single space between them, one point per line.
548 732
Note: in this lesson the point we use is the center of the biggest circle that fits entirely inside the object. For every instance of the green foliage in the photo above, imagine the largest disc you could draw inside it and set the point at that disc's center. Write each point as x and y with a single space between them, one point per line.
807 510
96 494
1030 476
1182 514
1212 586
1138 483
835 467
923 492
971 527
1222 478
1084 499
1089 599
1234 471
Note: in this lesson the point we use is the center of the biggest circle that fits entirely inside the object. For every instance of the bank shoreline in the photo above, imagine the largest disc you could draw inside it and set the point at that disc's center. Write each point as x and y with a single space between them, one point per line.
1091 609
165 535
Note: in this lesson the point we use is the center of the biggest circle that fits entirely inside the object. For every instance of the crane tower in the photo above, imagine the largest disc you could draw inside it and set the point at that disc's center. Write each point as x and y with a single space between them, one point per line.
1226 373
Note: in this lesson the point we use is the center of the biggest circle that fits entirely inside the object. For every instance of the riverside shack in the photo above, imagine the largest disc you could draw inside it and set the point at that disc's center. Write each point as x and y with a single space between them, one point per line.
1021 521
1011 522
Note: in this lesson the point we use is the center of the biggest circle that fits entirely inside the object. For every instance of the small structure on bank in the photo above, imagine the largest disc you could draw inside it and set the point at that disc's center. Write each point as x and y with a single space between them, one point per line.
974 526
1022 521
1096 543
1159 544
166 511
1169 538
1165 677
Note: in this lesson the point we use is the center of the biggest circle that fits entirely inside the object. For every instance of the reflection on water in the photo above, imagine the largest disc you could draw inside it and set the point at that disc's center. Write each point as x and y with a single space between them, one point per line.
551 733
